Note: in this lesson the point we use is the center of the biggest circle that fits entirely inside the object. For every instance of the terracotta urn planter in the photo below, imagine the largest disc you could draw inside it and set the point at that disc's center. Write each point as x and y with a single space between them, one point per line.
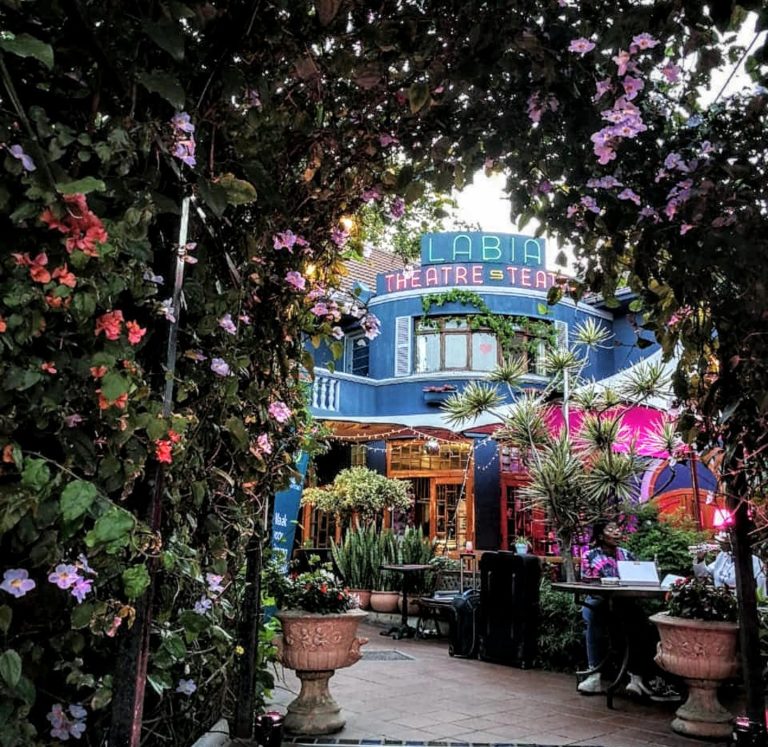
703 654
363 596
316 646
384 601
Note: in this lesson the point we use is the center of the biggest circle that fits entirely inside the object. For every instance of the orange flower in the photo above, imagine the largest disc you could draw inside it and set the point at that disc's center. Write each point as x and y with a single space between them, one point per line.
37 269
3 325
98 371
8 453
49 367
104 403
65 277
135 333
57 302
110 324
164 451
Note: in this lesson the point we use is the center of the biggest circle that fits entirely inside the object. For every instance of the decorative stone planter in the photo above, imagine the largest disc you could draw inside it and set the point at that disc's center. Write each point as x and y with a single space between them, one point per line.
703 654
315 646
384 601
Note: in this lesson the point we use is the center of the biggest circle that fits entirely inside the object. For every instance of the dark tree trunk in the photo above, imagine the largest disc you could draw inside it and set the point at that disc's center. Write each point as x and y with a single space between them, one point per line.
249 640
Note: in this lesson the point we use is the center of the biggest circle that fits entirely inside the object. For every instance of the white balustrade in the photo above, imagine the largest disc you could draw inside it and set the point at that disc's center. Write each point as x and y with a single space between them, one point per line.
325 393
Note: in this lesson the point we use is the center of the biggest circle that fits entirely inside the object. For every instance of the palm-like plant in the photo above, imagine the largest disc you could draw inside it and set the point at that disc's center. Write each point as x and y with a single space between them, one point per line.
575 477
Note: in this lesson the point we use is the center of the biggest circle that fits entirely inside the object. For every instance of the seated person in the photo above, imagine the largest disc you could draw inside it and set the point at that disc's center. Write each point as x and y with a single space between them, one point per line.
600 562
722 570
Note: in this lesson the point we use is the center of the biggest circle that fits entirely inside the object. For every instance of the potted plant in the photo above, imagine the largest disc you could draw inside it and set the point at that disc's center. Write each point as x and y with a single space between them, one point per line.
522 543
353 561
699 636
359 495
386 585
319 636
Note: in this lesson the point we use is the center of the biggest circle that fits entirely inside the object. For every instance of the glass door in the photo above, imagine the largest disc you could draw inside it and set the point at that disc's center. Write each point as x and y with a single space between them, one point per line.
450 516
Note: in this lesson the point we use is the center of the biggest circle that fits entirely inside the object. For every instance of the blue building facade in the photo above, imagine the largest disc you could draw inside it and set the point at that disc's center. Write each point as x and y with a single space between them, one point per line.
382 398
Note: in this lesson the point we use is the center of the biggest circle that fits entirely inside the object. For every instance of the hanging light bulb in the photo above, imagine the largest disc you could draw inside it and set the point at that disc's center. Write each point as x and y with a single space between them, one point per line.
432 446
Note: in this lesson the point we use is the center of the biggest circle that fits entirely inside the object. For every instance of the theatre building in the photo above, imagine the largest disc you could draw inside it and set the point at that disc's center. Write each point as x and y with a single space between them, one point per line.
444 324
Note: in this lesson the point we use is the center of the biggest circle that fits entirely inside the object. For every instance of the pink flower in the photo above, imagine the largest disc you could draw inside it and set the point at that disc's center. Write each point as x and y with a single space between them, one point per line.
685 227
371 195
397 208
280 411
65 576
581 46
623 60
227 324
602 87
537 106
284 240
371 326
296 280
220 367
16 581
135 333
671 72
264 444
632 86
319 309
628 194
385 140
339 237
644 41
605 154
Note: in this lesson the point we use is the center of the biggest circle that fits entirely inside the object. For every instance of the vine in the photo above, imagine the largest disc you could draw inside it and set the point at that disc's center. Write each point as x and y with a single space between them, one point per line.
506 328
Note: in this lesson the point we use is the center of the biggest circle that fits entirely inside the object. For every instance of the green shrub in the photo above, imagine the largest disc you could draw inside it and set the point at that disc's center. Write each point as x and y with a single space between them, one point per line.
561 631
665 539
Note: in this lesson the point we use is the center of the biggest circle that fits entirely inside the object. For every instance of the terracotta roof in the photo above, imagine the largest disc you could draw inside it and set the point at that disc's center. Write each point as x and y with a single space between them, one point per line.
365 270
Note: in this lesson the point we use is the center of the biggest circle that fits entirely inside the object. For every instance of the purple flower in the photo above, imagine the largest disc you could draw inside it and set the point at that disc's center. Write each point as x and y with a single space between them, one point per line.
220 367
590 204
644 41
81 589
181 123
251 98
339 237
628 194
264 444
296 280
82 562
16 581
196 355
632 86
371 195
671 72
214 583
674 161
623 60
319 309
581 46
227 324
150 277
203 605
604 154
186 687
397 208
604 182
602 87
371 326
284 240
385 140
280 411
184 150
26 161
62 726
65 576
166 309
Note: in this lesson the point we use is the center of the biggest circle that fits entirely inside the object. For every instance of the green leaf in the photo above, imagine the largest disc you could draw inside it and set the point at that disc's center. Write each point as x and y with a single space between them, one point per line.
36 474
237 430
113 385
82 186
160 681
135 581
542 308
168 36
636 305
238 191
6 615
10 667
165 85
175 646
114 526
76 499
81 615
193 623
101 698
24 45
418 96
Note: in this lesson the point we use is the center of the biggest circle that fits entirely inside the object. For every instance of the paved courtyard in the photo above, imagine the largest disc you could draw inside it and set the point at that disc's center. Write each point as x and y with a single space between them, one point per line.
427 696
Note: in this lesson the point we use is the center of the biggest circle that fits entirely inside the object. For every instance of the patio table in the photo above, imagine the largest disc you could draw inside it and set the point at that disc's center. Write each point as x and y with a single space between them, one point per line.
403 630
619 631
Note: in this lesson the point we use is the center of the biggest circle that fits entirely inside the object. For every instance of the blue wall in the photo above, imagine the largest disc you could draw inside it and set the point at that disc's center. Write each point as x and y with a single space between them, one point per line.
487 496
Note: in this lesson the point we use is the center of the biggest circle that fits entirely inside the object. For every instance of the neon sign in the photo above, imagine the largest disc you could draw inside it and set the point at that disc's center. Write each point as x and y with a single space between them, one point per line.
485 248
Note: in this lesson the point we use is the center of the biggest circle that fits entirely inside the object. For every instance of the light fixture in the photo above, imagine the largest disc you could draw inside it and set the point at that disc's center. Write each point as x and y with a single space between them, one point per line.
347 222
432 446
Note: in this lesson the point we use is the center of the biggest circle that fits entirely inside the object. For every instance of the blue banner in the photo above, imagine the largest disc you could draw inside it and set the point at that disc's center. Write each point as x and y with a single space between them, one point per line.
286 512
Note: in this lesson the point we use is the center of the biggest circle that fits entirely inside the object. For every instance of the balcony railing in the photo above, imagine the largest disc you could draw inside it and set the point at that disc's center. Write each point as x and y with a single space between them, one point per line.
325 393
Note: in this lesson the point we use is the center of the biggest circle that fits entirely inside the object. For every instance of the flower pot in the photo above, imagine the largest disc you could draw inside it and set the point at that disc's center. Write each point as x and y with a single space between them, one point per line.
703 654
384 601
413 604
521 548
315 646
363 596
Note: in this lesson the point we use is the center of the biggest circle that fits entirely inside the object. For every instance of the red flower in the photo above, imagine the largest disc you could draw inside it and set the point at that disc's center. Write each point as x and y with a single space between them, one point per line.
49 367
164 451
57 302
98 371
135 333
37 268
173 437
3 325
324 588
64 276
104 403
110 324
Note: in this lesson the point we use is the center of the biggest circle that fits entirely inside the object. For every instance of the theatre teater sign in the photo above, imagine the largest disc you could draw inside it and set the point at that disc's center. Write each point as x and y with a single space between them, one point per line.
504 260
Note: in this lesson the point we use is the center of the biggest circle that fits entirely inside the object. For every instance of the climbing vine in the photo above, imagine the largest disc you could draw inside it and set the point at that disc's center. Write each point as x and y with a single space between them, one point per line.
515 334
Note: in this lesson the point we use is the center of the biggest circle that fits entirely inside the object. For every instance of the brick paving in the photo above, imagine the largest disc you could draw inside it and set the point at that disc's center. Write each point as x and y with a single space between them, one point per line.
431 697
